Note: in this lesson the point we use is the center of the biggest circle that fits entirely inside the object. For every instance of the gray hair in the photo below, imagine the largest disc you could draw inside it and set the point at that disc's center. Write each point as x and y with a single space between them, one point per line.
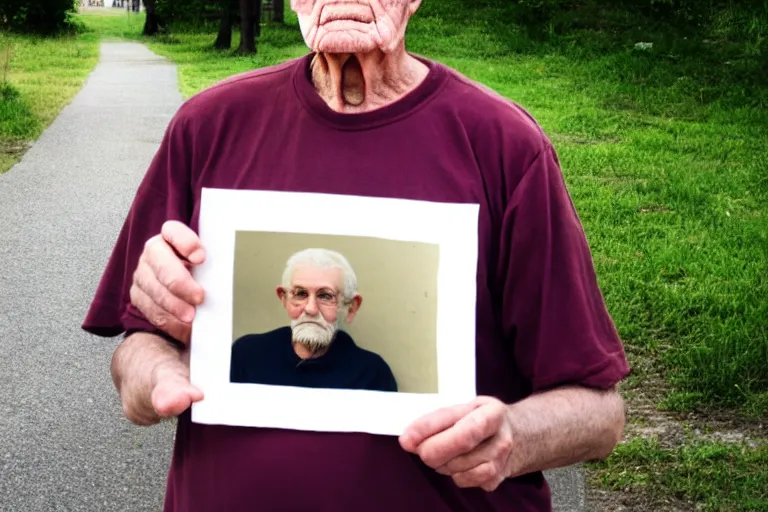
322 258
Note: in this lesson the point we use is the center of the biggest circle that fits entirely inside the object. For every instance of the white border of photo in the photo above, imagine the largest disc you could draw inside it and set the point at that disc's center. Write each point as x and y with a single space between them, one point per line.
225 212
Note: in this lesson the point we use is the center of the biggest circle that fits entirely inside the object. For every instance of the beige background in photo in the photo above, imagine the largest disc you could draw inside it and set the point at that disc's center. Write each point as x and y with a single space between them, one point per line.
397 280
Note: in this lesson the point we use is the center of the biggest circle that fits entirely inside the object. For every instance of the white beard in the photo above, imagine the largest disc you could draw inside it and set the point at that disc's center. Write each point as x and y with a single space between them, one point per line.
311 335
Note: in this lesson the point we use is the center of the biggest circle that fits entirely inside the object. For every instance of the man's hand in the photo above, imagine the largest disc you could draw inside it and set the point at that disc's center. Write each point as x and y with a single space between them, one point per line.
163 289
472 443
481 443
152 377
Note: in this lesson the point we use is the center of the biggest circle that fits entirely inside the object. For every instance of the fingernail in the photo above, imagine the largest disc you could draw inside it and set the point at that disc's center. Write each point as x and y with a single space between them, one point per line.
197 256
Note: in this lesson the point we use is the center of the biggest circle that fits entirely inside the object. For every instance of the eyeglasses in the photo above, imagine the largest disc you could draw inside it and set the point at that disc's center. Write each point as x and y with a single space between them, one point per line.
300 297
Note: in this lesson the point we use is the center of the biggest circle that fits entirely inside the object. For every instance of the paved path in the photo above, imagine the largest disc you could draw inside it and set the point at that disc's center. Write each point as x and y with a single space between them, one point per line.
64 444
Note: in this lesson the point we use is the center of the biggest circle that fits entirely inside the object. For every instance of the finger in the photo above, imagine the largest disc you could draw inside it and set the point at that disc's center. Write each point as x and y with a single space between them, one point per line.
144 278
482 453
486 476
431 424
159 317
171 271
464 437
497 448
184 241
174 398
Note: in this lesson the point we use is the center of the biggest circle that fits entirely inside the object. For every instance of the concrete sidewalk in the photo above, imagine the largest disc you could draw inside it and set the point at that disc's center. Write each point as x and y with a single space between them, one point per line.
65 444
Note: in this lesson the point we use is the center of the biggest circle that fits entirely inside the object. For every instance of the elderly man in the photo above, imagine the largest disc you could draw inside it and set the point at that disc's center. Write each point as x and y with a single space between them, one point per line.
319 293
359 115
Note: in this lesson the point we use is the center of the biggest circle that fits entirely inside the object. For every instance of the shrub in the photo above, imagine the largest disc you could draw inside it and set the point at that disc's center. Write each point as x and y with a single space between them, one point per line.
39 16
187 13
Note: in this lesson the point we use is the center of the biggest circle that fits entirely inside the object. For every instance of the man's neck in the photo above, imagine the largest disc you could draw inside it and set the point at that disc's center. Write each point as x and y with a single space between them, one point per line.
355 83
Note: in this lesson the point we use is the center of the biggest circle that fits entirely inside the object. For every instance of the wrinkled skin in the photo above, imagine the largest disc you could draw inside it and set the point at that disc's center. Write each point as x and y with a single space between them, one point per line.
360 59
353 26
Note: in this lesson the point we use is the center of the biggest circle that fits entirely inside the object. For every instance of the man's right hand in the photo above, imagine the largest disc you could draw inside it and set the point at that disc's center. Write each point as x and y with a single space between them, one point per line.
152 377
172 393
163 289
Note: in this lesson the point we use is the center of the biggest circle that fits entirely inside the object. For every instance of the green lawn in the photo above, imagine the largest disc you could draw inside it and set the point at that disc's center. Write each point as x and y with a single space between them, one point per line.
663 149
715 476
42 77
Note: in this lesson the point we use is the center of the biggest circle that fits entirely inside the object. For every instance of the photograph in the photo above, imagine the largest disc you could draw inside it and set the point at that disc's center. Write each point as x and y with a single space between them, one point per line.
336 312
333 323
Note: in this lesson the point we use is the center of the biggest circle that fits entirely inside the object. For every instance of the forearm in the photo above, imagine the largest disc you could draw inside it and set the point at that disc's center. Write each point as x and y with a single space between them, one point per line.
562 427
136 363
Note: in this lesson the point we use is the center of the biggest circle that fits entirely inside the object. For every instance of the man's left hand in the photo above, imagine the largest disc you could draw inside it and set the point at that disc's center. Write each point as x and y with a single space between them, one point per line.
472 443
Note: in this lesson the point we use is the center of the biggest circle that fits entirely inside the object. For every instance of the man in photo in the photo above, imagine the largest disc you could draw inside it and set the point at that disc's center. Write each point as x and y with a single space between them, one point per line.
319 293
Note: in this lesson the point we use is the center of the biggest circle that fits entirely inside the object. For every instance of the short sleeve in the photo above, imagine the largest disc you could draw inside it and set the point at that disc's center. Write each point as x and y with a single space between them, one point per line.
551 305
163 194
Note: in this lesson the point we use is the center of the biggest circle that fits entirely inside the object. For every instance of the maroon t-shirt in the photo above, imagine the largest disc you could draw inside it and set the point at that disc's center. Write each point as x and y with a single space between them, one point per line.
541 319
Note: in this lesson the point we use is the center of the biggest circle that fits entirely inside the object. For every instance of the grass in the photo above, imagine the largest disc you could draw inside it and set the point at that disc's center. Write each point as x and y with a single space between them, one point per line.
663 149
710 476
42 76
668 170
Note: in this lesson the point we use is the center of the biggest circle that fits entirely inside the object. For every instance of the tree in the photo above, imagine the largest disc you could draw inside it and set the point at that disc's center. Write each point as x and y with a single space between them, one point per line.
151 25
228 15
257 17
250 26
278 11
38 16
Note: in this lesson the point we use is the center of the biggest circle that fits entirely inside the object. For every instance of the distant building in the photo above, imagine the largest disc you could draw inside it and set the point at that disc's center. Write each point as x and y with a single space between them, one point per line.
128 5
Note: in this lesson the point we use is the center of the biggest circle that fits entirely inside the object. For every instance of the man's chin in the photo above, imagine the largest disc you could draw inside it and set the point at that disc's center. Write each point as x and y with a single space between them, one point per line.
346 42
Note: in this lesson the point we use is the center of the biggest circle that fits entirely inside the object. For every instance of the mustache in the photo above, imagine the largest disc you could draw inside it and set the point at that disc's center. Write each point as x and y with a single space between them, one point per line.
318 320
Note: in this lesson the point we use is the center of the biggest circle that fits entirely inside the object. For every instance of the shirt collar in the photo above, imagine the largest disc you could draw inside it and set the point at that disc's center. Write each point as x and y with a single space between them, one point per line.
341 343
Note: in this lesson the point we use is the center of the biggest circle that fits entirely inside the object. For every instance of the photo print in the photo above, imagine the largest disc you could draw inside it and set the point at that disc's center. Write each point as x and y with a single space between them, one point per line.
358 325
329 311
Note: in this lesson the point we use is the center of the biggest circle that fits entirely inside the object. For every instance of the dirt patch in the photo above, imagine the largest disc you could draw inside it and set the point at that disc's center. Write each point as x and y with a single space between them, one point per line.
600 500
14 148
672 430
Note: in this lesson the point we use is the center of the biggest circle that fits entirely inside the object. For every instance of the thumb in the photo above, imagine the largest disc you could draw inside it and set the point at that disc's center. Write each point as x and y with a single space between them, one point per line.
184 241
433 423
173 398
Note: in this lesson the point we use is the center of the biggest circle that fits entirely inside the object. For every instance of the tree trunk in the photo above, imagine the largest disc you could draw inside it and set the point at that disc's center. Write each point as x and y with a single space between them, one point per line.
257 17
150 23
224 37
278 11
247 34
